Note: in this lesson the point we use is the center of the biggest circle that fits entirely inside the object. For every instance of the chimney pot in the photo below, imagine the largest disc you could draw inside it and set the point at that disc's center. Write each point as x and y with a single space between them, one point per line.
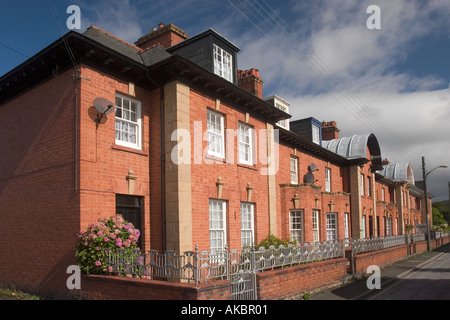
250 81
166 36
329 130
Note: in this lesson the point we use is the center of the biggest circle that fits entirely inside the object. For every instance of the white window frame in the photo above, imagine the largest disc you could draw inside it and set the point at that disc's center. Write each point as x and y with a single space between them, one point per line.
247 224
369 186
283 123
383 194
363 226
362 183
215 134
315 134
346 228
315 225
296 225
217 225
223 63
126 118
388 227
294 169
327 179
245 140
332 226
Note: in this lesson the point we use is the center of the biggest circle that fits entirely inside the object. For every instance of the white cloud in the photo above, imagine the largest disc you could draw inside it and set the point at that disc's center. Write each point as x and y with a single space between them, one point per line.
118 17
321 58
345 72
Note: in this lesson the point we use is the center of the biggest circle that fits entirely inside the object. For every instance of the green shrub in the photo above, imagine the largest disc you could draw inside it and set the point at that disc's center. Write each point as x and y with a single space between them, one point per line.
272 240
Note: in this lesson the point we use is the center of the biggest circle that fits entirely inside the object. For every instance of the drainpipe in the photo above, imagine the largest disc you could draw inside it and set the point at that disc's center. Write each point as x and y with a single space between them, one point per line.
163 171
161 134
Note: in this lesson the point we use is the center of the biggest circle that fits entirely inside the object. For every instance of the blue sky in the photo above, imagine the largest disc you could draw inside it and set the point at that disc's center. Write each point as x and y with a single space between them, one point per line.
318 55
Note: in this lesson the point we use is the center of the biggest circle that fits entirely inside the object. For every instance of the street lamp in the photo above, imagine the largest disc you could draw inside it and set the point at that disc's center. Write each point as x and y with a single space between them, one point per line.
425 175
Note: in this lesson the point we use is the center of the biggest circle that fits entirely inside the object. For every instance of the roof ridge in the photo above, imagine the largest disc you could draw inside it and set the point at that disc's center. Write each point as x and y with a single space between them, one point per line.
116 38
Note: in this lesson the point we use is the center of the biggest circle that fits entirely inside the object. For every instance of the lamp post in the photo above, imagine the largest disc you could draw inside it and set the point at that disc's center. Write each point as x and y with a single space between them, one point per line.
425 175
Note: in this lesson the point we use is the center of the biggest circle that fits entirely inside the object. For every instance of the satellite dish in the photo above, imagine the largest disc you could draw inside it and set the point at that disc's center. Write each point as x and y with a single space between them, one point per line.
104 107
312 167
309 178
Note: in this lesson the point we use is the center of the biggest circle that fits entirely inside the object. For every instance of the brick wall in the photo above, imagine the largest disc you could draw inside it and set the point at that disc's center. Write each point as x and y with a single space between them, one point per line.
293 281
95 287
380 258
234 176
104 166
311 196
39 205
283 283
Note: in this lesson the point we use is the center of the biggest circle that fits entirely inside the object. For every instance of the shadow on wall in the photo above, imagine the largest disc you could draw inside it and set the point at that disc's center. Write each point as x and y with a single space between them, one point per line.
38 201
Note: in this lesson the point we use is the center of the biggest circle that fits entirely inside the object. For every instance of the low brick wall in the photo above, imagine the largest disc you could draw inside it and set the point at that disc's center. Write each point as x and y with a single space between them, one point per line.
440 241
379 258
284 283
388 256
418 247
95 287
290 282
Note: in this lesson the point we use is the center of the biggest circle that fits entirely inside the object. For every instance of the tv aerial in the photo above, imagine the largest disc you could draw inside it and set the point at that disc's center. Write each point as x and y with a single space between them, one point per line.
104 107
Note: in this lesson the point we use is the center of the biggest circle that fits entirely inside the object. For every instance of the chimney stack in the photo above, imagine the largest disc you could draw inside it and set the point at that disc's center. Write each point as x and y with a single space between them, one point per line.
329 130
250 81
166 36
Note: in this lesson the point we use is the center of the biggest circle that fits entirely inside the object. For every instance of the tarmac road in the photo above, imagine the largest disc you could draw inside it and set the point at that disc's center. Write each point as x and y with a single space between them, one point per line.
421 277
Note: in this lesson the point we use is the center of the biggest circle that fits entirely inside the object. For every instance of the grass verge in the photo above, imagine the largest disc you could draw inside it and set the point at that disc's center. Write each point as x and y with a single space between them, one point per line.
11 293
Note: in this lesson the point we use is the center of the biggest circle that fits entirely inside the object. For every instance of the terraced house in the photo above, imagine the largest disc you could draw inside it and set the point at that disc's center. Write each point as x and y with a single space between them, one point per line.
194 155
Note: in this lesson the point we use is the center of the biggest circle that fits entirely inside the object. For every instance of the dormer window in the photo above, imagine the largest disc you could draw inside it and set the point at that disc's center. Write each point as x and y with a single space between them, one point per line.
223 63
283 106
210 51
315 134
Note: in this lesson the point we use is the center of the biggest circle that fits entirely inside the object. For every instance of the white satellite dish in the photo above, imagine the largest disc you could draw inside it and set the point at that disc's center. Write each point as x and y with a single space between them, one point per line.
104 107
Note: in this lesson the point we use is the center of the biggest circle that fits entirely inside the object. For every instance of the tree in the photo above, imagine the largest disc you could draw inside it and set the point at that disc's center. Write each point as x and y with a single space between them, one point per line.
438 218
444 212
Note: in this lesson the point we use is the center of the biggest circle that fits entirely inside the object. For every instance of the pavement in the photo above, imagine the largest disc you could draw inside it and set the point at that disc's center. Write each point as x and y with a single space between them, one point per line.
357 289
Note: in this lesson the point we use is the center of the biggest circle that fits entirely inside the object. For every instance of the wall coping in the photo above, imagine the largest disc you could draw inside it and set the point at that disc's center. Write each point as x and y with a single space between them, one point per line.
158 283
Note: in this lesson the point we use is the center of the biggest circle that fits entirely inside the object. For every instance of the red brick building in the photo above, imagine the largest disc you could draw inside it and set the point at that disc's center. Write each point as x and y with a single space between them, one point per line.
192 155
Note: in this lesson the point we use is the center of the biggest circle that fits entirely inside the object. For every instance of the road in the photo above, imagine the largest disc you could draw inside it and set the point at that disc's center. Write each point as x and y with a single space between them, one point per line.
422 277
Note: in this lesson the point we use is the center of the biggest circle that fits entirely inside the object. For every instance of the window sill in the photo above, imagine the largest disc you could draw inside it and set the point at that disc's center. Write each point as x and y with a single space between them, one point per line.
130 150
215 159
248 166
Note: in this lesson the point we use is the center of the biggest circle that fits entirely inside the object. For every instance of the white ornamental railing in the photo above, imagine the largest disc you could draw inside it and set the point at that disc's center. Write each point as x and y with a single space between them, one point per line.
199 266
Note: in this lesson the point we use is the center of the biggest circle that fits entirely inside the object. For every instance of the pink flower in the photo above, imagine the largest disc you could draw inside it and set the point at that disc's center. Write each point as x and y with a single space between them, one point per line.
98 263
118 242
106 239
110 269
